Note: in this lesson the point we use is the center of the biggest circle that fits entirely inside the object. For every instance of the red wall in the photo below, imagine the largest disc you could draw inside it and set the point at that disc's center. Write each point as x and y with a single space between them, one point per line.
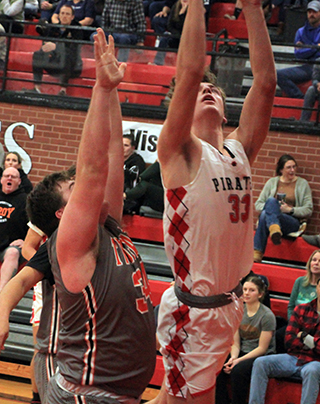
57 135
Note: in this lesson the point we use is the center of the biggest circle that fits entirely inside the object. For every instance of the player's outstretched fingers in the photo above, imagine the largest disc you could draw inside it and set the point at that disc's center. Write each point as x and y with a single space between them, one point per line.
100 43
111 44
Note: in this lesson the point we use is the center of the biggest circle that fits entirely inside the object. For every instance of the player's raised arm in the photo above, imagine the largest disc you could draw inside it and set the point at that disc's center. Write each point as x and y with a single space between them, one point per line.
11 295
76 240
255 117
176 134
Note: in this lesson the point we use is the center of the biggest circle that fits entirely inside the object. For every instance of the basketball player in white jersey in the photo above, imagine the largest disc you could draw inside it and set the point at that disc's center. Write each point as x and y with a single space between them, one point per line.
208 226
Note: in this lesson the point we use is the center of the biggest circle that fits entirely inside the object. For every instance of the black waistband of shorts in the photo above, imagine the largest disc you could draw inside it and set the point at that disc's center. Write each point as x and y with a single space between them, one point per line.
207 302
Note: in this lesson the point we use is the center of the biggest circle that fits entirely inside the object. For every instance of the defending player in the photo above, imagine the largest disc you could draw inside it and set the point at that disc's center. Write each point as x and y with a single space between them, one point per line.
107 342
208 223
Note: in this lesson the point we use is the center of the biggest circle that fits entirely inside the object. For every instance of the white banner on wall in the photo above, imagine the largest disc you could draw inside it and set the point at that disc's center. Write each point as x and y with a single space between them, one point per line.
146 136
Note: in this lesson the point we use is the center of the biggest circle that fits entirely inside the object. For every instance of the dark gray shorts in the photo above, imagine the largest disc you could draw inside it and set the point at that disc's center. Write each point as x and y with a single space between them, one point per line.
45 366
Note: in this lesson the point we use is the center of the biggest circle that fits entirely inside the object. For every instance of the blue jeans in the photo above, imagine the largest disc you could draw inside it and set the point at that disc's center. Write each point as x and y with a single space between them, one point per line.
289 77
121 39
284 365
271 214
309 100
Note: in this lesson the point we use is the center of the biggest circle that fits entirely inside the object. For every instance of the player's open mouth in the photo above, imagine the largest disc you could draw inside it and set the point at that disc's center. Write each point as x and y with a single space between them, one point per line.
208 98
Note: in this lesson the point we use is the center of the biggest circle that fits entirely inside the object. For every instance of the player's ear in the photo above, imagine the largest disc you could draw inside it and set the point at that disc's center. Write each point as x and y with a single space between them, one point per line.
59 212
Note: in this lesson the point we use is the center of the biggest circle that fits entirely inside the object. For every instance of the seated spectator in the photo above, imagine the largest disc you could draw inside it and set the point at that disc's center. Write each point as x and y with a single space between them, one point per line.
13 159
302 359
126 22
312 239
11 12
148 192
61 59
134 164
13 224
312 94
309 34
236 13
98 7
84 14
284 202
303 291
159 13
47 8
254 338
175 24
31 9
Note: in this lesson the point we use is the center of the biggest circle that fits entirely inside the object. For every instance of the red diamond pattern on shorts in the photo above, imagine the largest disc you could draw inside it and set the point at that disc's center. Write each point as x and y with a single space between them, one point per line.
174 347
176 380
181 315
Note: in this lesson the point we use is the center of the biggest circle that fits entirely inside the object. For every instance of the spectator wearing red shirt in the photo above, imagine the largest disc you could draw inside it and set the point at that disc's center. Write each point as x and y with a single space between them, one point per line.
302 360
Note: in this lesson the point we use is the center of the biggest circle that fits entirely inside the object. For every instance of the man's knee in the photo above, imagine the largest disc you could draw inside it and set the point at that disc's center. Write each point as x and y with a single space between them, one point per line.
311 370
11 254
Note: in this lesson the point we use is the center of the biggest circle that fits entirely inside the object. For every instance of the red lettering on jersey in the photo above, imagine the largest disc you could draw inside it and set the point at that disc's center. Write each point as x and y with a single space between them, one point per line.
115 246
140 279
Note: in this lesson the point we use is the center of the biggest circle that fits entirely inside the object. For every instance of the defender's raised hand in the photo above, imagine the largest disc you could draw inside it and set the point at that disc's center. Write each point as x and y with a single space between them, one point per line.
109 72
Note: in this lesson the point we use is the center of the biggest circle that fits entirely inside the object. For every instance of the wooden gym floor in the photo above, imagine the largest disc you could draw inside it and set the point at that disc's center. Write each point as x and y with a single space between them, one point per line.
17 388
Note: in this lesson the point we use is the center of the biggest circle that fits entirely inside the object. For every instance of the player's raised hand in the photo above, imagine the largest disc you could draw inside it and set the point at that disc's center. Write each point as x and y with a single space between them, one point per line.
109 72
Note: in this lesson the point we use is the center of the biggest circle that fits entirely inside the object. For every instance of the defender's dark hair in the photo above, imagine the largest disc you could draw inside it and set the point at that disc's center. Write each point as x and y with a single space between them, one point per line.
44 201
282 161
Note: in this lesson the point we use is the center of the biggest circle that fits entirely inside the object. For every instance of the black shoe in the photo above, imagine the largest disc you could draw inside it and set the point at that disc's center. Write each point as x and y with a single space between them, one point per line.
2 64
313 240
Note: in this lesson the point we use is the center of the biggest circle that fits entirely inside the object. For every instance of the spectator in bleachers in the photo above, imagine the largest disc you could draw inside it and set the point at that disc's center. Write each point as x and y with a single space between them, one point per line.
98 7
254 338
125 21
148 192
13 223
312 94
11 12
303 357
47 7
309 34
175 24
61 59
236 13
267 9
312 239
159 13
13 159
303 291
31 9
284 201
84 13
134 164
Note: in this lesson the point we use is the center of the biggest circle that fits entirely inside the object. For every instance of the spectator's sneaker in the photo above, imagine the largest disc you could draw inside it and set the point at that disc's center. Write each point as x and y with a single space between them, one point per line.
275 234
229 17
313 240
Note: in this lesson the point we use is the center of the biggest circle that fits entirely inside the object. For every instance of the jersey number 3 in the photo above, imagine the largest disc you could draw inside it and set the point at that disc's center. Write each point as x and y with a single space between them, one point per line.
240 208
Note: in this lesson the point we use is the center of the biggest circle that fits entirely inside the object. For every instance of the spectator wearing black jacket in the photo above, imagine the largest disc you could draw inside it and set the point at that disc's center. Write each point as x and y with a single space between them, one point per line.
60 59
13 159
13 223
